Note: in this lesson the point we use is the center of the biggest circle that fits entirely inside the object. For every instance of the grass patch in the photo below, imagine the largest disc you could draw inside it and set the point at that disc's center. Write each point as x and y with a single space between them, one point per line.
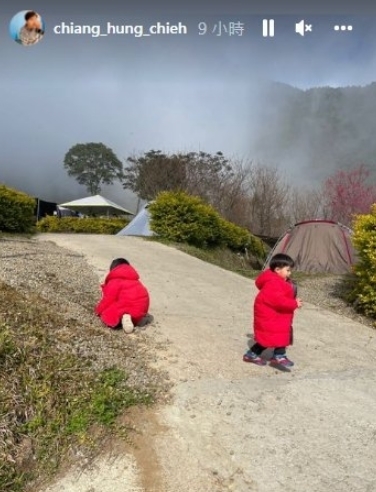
223 258
52 401
18 236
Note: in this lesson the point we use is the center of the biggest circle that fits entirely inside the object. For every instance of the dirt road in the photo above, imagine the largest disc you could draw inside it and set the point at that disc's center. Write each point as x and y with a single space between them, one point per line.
232 427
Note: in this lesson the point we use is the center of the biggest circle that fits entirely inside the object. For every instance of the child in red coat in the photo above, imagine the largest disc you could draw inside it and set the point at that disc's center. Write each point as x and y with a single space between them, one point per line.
273 312
125 300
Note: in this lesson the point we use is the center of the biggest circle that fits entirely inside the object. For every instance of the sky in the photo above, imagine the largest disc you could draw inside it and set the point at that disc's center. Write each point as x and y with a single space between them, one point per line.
172 93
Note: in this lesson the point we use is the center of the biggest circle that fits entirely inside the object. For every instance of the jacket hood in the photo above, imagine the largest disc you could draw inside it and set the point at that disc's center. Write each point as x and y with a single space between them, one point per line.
265 277
126 272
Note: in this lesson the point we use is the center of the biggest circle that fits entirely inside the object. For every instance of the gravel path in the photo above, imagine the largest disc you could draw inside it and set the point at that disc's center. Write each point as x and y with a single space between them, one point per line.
326 291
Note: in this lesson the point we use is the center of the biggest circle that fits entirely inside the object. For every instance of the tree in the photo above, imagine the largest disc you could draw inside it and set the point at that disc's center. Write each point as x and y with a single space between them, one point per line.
232 195
196 173
306 204
349 193
153 172
268 200
207 174
93 164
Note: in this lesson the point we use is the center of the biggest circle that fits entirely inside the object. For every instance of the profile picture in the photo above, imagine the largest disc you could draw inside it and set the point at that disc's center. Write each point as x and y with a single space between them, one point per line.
27 28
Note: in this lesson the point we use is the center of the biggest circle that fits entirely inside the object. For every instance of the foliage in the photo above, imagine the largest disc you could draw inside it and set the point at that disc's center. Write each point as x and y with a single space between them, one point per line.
51 398
185 219
182 218
348 193
251 195
196 173
86 225
154 172
240 239
93 164
363 293
16 210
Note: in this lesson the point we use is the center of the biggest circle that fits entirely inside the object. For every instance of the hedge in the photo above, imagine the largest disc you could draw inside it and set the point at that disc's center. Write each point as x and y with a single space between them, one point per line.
86 225
363 293
16 210
176 216
184 219
239 239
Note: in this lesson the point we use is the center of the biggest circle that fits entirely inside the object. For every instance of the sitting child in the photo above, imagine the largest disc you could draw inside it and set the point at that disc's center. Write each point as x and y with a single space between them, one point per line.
125 300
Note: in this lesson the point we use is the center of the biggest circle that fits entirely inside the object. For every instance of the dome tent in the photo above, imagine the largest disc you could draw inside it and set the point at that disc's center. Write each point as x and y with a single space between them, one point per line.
317 246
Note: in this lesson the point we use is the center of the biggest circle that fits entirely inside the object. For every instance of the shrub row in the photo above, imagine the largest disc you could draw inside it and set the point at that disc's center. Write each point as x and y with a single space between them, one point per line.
176 216
16 210
87 225
363 293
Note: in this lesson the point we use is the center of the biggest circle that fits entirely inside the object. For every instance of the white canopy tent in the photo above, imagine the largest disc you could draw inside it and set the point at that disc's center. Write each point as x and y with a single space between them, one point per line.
96 205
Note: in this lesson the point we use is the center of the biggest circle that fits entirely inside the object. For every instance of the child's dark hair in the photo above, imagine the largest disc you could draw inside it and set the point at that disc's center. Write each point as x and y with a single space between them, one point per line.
281 261
30 14
118 261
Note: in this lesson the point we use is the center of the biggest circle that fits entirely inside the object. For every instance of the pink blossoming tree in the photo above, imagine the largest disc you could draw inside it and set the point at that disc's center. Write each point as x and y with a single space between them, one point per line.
348 193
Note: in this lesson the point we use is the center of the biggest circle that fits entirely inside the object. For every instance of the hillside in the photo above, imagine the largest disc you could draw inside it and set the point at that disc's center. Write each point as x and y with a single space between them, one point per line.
316 130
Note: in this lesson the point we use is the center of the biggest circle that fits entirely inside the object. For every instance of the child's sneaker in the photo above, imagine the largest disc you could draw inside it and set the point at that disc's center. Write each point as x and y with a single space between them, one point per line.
281 361
127 324
253 358
146 321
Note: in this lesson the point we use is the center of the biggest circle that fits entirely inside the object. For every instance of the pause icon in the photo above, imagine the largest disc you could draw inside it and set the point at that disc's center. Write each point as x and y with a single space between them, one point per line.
268 28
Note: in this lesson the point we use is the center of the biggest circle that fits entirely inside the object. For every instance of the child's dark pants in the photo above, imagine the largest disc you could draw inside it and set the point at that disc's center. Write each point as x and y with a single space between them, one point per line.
259 349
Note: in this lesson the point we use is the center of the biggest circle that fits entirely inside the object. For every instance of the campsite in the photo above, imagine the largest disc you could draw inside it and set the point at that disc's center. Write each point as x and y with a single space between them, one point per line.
150 340
216 408
202 409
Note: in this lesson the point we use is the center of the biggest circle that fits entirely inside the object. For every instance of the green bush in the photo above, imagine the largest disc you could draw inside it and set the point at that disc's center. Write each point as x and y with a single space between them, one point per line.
179 217
86 225
363 293
16 210
186 219
239 239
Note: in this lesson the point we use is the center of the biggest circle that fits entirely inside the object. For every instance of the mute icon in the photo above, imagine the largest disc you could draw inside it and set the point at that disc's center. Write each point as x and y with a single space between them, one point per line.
301 27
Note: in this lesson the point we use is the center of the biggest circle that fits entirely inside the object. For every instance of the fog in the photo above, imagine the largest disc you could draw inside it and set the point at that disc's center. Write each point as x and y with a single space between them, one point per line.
179 94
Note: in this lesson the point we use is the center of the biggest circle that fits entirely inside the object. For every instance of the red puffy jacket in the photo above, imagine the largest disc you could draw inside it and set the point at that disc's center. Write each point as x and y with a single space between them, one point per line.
273 310
122 293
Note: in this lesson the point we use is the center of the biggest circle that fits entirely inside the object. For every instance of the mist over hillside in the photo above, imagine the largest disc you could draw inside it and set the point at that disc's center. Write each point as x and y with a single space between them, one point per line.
311 133
307 134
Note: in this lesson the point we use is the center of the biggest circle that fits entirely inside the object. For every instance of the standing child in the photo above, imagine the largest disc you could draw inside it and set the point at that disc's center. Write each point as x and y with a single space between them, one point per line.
125 300
273 312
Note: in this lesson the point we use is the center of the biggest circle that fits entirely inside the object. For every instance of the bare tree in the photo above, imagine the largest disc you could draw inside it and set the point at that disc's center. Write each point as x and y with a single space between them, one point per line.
305 204
232 196
206 174
268 198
